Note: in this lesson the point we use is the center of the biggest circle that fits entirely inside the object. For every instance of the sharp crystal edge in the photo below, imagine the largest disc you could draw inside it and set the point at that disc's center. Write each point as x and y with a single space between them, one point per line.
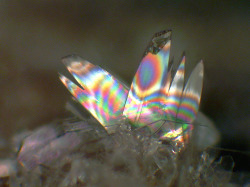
156 100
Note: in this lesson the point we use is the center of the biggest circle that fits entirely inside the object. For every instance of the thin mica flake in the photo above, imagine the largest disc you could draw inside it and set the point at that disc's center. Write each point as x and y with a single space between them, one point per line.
156 101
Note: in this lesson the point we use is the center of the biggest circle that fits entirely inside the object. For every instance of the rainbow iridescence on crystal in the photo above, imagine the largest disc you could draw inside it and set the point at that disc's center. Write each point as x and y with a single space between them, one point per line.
156 101
102 95
144 96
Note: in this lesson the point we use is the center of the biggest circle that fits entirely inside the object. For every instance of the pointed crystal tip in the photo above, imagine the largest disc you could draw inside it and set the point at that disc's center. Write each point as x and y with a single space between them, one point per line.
69 59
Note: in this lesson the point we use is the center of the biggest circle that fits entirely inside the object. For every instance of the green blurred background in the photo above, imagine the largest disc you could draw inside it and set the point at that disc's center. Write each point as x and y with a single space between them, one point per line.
34 35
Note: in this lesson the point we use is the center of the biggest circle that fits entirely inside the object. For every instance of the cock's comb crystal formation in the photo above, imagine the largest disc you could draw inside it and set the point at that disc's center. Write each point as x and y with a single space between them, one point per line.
157 102
145 129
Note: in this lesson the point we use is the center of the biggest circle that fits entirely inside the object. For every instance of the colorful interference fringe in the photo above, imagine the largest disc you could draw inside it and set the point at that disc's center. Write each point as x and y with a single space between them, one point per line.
145 93
102 94
156 102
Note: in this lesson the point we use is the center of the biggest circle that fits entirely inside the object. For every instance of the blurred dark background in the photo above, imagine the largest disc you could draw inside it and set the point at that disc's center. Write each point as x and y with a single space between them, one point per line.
34 35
